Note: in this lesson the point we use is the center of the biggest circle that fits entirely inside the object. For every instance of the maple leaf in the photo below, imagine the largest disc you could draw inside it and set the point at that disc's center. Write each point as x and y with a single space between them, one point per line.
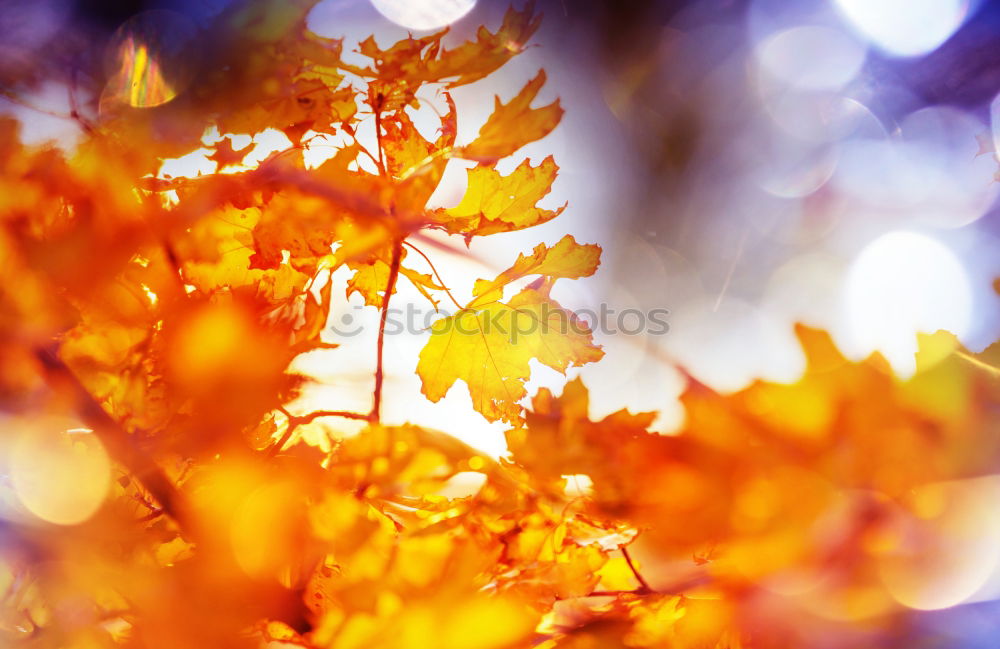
226 156
474 60
417 163
332 204
514 124
217 253
399 71
495 203
489 343
566 259
372 276
559 439
829 415
307 104
409 461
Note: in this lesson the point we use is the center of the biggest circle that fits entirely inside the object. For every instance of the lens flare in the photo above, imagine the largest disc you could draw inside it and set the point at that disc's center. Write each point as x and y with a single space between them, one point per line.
140 80
150 60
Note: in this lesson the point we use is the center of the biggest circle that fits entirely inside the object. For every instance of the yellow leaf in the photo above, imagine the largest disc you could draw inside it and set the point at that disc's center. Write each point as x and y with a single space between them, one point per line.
566 259
371 278
490 349
495 203
616 575
514 124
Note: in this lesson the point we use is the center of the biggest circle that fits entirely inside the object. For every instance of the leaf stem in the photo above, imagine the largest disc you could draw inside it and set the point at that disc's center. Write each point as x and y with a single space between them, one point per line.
378 136
615 593
644 585
390 286
677 588
17 99
294 421
316 414
435 271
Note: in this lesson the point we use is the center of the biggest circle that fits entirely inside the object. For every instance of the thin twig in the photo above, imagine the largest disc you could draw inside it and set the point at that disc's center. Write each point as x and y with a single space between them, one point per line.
294 421
17 99
435 271
151 516
280 444
644 585
732 268
73 104
378 136
679 587
390 286
309 417
365 150
615 593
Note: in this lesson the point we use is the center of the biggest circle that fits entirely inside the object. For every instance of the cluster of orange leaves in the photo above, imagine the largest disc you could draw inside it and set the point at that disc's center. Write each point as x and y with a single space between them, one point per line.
163 315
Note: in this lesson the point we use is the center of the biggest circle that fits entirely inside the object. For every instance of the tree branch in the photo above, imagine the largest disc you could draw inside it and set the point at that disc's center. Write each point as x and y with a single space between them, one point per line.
679 587
294 421
397 254
643 584
309 417
378 135
119 443
436 273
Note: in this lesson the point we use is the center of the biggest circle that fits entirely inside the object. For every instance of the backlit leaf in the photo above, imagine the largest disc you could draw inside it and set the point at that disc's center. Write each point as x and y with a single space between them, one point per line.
514 124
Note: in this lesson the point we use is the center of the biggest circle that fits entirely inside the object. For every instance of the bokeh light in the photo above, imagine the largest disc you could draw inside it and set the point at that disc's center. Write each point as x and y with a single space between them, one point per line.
423 15
812 57
60 475
901 284
954 549
905 27
929 173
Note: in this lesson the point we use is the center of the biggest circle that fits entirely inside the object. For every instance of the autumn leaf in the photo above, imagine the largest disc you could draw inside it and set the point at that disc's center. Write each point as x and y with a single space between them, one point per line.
226 156
399 71
514 124
334 204
566 259
475 60
259 67
495 203
489 343
416 162
371 277
558 437
218 253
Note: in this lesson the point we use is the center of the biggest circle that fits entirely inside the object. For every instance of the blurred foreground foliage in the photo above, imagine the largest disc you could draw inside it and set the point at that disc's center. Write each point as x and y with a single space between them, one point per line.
161 491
